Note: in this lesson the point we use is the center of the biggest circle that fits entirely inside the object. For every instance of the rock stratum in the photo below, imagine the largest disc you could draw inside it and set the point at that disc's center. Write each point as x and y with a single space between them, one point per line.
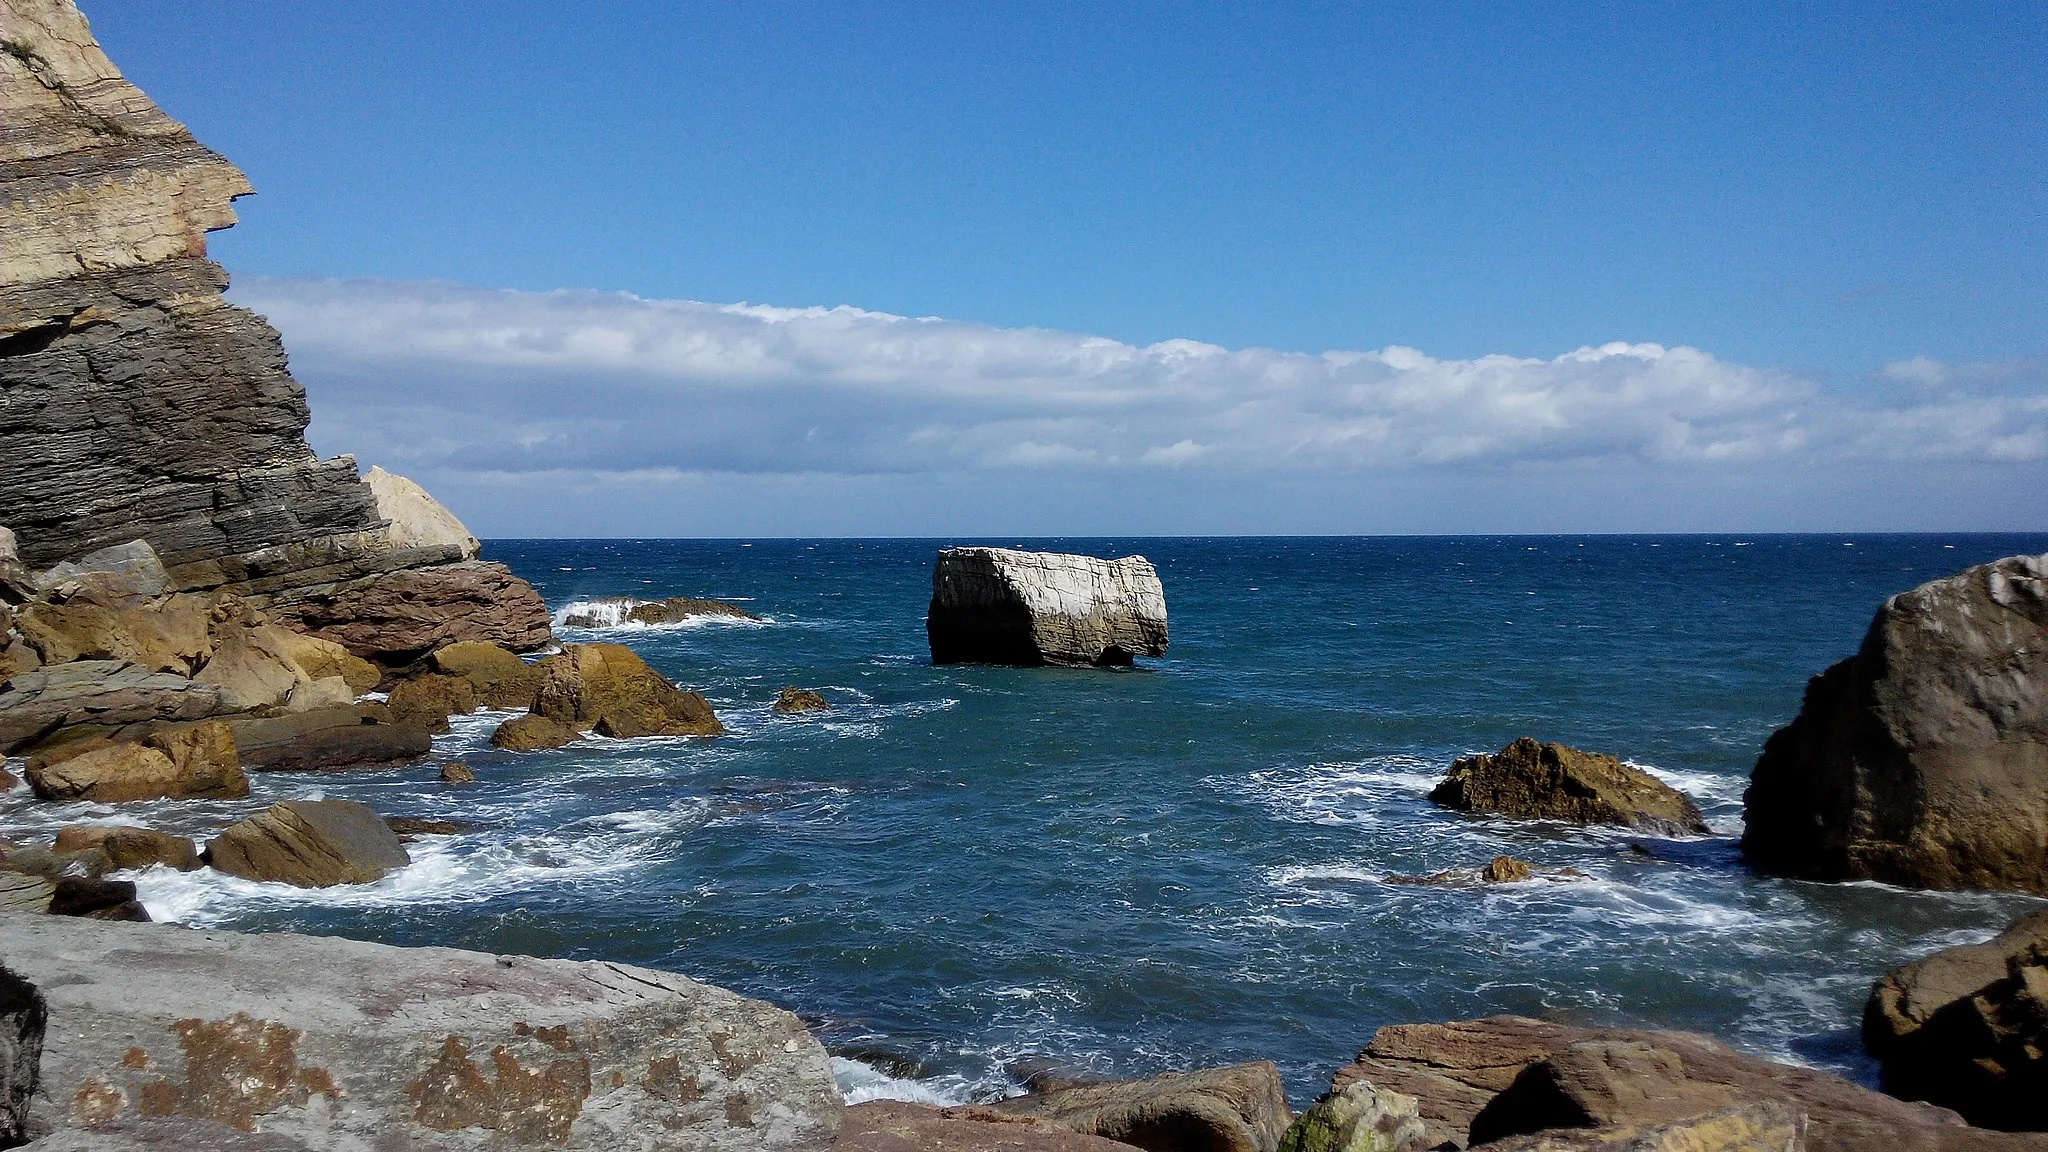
1922 760
136 403
1002 606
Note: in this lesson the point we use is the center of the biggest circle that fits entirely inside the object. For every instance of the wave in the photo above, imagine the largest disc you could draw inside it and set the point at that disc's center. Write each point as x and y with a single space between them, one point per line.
615 613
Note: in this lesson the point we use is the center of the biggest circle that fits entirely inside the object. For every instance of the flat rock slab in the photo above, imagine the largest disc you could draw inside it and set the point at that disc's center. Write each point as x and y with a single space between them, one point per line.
1003 606
895 1126
108 693
337 1044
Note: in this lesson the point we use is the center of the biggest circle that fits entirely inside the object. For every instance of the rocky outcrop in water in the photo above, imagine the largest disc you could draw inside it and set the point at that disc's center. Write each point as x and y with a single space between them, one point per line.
1242 1108
1923 759
610 690
1002 606
310 844
136 402
613 611
1538 781
342 1045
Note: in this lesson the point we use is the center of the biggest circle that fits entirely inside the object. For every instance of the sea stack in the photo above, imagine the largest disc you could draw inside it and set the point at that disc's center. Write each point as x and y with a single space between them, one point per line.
1001 606
1922 760
135 403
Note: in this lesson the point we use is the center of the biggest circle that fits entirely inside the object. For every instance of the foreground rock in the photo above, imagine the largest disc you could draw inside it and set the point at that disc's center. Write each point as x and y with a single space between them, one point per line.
311 844
1242 1108
1967 1028
531 734
895 1126
1923 759
610 690
344 1045
1001 606
121 847
23 1016
1361 1118
100 695
1456 1070
1537 781
612 611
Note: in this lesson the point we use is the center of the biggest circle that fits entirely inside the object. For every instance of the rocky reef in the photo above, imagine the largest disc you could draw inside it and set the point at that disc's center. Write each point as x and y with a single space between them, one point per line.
1002 606
1533 780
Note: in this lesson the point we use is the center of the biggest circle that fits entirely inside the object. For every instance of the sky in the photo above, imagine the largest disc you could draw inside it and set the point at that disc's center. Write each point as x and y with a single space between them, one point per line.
659 269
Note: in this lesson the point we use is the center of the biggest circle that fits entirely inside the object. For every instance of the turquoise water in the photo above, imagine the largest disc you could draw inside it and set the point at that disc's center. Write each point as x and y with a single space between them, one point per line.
1181 865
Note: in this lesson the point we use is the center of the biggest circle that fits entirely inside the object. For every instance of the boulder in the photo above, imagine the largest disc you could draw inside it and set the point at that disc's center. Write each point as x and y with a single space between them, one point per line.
252 667
1499 870
1456 1070
17 583
167 635
188 762
417 520
1740 1128
112 575
1001 606
800 700
321 659
25 892
1536 781
531 733
501 679
428 701
23 1017
609 689
395 618
348 736
338 1045
1361 1118
456 772
1967 1028
123 847
1242 1108
1922 760
612 611
98 899
1597 1084
98 694
896 1126
309 843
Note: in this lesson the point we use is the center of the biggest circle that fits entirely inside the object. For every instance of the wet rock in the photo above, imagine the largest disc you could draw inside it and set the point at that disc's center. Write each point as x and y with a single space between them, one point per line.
800 700
23 1017
896 1126
500 679
395 618
609 689
410 828
349 736
530 734
1920 760
428 701
191 762
323 659
612 611
346 1045
417 520
1741 1128
124 847
1536 781
1241 1108
96 898
309 843
1499 870
456 772
1361 1118
1001 606
100 694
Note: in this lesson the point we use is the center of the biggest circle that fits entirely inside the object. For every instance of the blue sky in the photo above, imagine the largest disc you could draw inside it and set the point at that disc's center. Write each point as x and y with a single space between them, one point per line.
1844 208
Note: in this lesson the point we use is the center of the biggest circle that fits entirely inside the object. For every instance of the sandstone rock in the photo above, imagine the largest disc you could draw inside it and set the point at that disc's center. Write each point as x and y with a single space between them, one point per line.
895 1126
186 763
1540 781
531 734
1967 1028
349 736
25 892
1001 606
399 617
428 701
309 843
1361 1118
205 757
1596 1084
253 668
456 772
501 679
800 700
23 1016
322 659
118 574
609 689
103 694
345 1045
169 635
1742 1128
612 611
417 520
1241 1108
1923 759
1455 1070
125 847
314 695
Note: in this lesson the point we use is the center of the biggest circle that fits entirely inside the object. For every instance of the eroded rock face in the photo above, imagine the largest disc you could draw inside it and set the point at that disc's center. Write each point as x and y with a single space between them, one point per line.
610 690
1002 606
1923 759
398 617
896 1126
501 679
337 1044
1242 1108
1538 781
311 844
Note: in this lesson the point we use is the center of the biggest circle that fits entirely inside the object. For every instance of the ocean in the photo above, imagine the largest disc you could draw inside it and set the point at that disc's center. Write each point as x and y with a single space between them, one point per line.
1184 865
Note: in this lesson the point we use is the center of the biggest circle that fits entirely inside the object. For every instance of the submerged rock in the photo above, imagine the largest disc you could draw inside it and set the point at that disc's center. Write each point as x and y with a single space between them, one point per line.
311 844
1241 1108
456 772
609 689
1537 781
1002 606
1922 760
800 700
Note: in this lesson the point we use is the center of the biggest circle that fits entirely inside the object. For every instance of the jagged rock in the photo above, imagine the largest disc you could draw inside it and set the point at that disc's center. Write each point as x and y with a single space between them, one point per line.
348 736
101 694
531 734
1361 1118
612 611
456 772
324 659
1741 1128
501 679
1241 1108
1923 759
896 1126
1537 781
170 635
123 847
428 701
1455 1070
196 761
399 617
309 843
23 1017
411 828
345 1045
800 700
1967 1028
1001 606
609 689
417 520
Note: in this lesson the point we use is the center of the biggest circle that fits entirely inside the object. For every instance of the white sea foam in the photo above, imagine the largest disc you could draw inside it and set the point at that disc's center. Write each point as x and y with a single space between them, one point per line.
860 1083
608 614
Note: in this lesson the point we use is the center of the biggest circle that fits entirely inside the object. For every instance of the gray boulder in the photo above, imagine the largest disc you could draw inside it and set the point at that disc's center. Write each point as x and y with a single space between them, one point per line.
128 571
1923 759
337 1044
1001 606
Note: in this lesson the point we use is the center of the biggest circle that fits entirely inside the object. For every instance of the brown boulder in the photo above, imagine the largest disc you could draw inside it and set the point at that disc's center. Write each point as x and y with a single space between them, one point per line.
1242 1108
343 737
96 899
321 659
530 734
1537 781
895 1126
190 762
99 694
456 772
1922 759
501 679
1741 1128
25 891
609 689
800 700
428 701
252 667
123 847
169 635
309 843
397 617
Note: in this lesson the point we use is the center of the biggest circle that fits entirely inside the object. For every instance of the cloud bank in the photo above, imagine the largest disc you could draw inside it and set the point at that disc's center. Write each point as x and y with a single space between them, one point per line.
447 380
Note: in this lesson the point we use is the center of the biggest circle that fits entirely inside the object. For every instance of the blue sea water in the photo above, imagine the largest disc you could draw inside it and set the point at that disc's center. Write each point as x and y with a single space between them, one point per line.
1182 865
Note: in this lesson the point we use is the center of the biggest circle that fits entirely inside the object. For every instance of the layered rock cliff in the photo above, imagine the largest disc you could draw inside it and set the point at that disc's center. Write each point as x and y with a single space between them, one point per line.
136 403
1002 606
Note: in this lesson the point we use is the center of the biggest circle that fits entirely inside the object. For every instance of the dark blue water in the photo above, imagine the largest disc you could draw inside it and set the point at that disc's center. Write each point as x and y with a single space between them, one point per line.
1178 866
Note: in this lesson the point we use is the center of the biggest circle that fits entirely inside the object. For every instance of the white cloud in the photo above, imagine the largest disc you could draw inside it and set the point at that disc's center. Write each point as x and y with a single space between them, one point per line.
453 379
